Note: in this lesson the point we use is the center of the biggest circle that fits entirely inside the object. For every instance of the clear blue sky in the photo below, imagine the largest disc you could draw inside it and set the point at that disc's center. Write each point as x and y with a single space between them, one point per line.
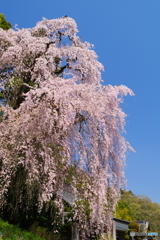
126 35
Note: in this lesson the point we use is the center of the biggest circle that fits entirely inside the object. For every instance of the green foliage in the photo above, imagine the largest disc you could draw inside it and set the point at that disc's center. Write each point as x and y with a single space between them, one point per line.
3 23
65 231
41 224
123 211
133 225
11 232
127 237
32 84
1 115
105 237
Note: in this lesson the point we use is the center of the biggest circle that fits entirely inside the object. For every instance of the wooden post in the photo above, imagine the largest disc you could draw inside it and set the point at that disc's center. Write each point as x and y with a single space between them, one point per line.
75 232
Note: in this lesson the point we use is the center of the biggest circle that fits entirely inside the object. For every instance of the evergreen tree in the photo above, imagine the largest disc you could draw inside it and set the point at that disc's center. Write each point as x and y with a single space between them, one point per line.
3 23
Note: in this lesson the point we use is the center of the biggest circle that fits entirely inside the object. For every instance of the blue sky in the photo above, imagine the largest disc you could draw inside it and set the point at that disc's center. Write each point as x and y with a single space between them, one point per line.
126 36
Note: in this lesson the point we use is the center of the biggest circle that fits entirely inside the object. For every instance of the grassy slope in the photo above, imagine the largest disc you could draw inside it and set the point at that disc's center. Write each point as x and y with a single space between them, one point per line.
11 232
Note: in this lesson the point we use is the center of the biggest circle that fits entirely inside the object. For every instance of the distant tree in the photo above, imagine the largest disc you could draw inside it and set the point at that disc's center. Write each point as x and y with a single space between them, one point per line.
123 211
58 115
3 23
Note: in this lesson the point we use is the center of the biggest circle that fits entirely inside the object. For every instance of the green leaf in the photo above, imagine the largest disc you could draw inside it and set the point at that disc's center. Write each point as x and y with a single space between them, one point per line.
1 95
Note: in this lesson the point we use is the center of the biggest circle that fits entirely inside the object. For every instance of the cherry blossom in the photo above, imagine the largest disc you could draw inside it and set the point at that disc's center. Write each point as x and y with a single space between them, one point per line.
60 123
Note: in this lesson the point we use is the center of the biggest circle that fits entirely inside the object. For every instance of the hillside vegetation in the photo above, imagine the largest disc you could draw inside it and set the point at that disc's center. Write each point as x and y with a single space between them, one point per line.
133 208
11 232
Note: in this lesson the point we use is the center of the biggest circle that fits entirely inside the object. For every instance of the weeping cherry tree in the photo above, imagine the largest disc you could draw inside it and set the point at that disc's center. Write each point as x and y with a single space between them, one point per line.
59 125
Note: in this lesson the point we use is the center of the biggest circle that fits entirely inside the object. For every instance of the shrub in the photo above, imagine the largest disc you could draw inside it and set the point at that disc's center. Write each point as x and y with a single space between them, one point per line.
133 225
127 237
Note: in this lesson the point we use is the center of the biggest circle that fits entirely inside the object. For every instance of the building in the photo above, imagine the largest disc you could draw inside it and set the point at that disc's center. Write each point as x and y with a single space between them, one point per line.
120 226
